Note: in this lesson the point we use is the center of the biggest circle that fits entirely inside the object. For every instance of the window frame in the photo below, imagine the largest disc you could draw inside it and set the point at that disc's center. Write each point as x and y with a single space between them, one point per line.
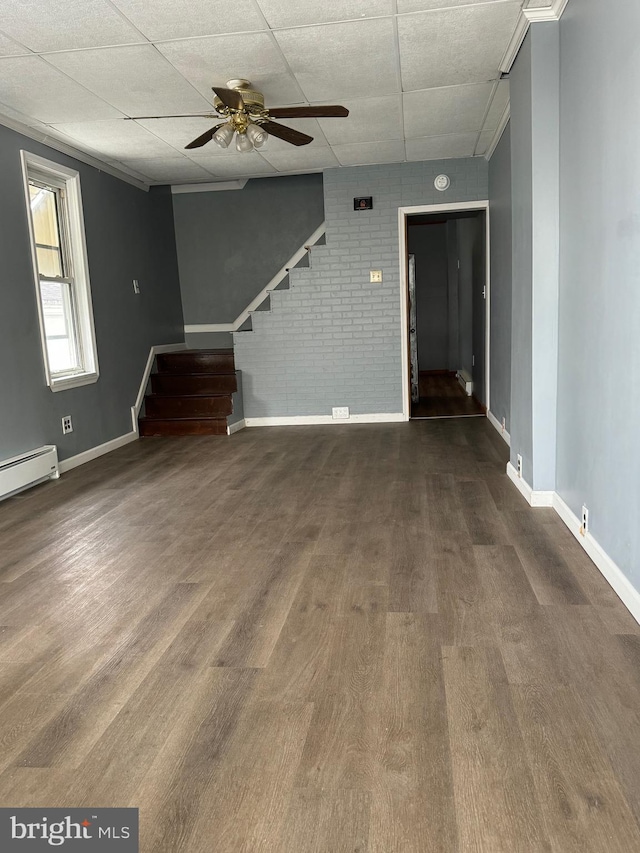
72 234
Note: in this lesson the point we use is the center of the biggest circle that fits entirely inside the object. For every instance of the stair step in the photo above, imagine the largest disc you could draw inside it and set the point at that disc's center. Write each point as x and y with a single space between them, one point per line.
185 384
182 426
196 361
187 405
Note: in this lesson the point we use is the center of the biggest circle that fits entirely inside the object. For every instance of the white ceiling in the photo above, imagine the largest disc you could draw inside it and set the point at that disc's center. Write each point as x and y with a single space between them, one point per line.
420 78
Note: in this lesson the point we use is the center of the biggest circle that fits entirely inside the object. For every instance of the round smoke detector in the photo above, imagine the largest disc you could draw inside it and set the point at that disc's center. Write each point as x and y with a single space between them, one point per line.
442 183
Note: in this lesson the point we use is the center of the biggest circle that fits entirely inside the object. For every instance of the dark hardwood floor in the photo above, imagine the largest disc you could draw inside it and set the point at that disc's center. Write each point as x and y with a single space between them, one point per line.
327 639
441 396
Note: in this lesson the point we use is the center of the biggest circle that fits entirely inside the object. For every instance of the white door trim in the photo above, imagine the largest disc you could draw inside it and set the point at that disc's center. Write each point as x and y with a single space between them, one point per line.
403 212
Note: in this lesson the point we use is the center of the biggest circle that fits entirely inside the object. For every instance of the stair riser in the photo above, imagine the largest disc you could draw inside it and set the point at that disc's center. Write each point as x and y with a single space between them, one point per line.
159 426
193 362
187 407
165 383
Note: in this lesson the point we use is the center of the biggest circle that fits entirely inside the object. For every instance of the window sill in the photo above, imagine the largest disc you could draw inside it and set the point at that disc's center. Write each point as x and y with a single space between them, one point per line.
66 382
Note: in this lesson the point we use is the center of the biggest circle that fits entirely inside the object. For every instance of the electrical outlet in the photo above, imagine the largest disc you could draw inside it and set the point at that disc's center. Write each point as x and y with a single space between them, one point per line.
519 464
584 527
375 276
67 425
136 286
340 412
504 424
473 361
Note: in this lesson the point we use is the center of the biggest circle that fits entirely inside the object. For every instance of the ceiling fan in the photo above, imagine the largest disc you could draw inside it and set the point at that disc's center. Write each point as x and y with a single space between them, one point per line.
245 114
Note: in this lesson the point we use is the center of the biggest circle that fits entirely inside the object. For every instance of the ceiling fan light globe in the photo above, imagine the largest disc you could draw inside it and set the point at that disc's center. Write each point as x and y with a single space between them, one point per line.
223 135
243 143
257 135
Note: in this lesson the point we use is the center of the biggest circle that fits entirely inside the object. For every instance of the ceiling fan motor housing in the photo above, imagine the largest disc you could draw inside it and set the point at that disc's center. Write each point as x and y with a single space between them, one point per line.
253 100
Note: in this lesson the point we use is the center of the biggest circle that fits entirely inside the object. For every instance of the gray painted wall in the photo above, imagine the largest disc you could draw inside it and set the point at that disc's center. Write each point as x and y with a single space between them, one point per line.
231 243
334 339
522 241
429 245
501 255
479 307
129 235
599 353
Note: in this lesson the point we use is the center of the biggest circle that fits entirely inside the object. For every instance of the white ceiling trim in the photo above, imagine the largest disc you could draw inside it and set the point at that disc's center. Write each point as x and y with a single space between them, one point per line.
70 151
528 17
497 136
176 189
548 13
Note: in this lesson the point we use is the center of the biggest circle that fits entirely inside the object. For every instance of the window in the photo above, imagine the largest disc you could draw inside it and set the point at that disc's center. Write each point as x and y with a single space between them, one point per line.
61 273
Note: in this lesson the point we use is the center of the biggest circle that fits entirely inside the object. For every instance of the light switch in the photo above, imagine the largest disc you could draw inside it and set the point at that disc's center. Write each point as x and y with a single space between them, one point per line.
375 276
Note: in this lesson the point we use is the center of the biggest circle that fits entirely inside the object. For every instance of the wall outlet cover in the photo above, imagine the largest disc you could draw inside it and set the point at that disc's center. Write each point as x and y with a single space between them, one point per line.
584 525
340 412
519 465
67 424
136 286
375 276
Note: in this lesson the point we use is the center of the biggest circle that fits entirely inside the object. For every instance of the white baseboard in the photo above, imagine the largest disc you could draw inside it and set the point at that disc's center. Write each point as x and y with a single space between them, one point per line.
153 352
612 573
300 420
531 497
238 425
94 452
496 423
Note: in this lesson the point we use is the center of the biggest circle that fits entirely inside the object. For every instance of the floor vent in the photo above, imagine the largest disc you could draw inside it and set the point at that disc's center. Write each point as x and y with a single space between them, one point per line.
26 470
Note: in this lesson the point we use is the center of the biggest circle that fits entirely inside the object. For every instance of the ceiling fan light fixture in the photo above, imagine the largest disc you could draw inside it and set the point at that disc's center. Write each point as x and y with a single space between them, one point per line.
223 135
243 143
257 135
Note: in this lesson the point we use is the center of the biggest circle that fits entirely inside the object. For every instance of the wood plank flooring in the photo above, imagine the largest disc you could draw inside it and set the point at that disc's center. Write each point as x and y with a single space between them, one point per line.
442 397
317 640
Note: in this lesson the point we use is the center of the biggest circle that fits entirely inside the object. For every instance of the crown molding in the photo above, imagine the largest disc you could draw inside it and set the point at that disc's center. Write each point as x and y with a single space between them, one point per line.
547 13
497 136
522 28
70 151
526 18
218 186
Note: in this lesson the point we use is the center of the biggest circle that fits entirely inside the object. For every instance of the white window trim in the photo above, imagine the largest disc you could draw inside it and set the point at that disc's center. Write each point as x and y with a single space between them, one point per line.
82 284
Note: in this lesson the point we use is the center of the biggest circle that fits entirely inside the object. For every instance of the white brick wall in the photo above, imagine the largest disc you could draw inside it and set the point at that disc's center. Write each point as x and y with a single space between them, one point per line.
333 339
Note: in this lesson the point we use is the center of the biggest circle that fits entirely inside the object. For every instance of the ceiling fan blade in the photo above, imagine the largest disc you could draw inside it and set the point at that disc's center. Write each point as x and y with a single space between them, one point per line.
328 111
206 137
286 133
230 98
188 115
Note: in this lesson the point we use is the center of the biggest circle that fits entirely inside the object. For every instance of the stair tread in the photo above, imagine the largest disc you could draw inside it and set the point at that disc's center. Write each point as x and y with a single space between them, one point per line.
184 418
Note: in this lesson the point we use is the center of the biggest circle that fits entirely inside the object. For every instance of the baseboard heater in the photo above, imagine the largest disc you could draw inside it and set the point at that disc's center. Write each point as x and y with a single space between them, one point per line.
465 381
28 469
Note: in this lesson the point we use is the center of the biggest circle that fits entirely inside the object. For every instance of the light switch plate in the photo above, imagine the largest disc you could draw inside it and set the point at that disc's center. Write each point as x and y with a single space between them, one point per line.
375 276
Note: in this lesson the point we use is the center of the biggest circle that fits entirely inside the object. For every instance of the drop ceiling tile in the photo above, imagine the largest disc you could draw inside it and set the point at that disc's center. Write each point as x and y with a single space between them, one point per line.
136 79
348 60
405 6
454 109
166 19
362 154
284 13
119 139
302 159
31 86
441 147
168 169
65 24
484 141
498 106
458 45
237 165
368 119
9 47
207 62
179 132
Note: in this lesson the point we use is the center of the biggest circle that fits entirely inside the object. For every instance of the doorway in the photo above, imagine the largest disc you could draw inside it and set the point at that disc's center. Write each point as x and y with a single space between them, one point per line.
445 273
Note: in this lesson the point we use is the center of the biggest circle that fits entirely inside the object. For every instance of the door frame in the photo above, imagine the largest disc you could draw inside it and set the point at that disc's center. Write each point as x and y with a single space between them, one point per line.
455 207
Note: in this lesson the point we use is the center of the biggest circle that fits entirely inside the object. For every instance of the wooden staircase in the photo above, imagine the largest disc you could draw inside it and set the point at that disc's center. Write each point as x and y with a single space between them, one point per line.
191 393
